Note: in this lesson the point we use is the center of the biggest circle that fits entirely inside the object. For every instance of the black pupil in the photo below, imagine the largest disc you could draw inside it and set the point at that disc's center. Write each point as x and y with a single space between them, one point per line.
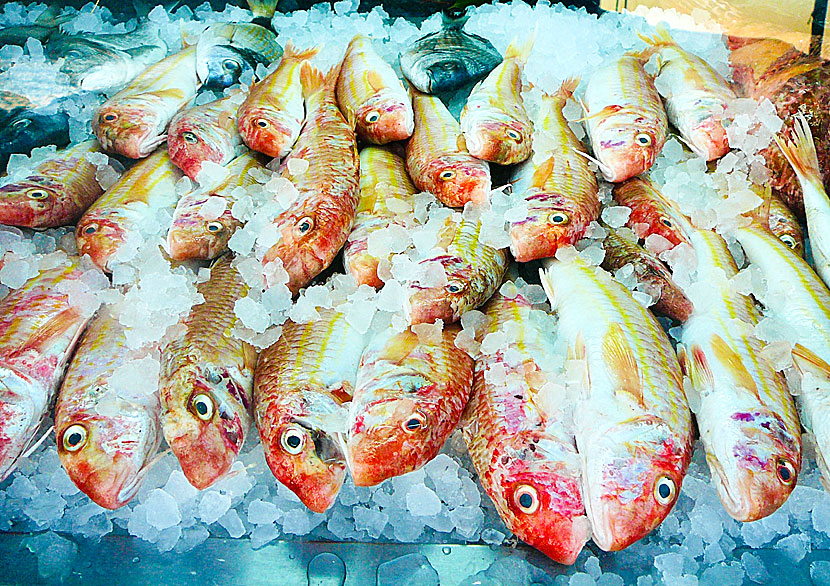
784 472
293 441
262 123
664 490
201 407
89 230
526 501
666 222
557 219
213 228
109 117
231 65
305 227
413 424
75 438
189 137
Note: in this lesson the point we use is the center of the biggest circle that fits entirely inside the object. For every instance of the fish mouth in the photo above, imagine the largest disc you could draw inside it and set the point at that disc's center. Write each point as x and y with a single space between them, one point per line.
275 140
183 244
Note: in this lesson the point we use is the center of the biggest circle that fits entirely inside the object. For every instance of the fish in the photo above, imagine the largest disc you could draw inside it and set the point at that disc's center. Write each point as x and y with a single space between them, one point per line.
302 386
494 121
38 330
205 133
271 117
784 224
124 212
226 51
800 152
263 8
449 58
132 123
197 232
556 183
625 118
25 128
437 159
633 425
314 228
408 398
521 439
383 185
371 96
649 212
106 435
474 270
56 192
46 25
622 249
696 96
206 381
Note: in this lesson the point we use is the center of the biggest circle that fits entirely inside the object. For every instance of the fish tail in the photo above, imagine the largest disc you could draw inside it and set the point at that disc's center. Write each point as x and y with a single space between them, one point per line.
263 8
800 152
520 49
293 54
313 80
567 89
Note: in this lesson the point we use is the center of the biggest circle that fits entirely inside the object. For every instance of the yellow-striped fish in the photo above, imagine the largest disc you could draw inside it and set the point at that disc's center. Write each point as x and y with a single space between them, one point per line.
495 124
372 97
133 122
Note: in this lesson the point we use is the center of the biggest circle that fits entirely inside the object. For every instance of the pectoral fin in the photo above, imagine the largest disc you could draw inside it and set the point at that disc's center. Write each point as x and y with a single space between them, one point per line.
807 361
734 364
622 364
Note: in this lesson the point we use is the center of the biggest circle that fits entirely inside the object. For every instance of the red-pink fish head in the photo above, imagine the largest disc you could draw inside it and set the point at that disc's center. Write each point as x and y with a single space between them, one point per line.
100 238
505 143
194 237
31 203
188 149
131 131
625 151
459 178
708 139
265 131
384 119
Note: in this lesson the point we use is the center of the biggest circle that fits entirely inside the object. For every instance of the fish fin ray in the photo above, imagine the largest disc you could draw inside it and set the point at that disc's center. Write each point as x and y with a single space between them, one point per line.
800 152
622 364
290 52
807 361
520 49
733 363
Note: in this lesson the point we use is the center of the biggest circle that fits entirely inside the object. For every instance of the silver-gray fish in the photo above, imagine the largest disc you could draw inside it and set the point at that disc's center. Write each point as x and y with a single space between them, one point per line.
226 51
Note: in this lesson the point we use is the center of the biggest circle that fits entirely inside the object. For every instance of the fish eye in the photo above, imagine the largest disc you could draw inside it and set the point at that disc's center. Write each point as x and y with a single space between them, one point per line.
666 222
786 471
202 406
110 117
293 440
231 66
190 137
22 123
73 53
91 229
415 422
74 437
665 490
454 287
513 134
372 117
788 240
559 218
214 227
643 139
305 225
262 123
37 194
447 175
526 498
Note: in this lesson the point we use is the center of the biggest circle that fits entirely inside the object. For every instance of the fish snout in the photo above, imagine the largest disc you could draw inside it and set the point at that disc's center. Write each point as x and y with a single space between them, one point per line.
709 139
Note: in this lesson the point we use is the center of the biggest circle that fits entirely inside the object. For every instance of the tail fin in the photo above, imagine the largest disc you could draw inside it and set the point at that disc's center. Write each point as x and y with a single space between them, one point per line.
661 39
567 89
291 53
520 50
801 153
313 80
263 8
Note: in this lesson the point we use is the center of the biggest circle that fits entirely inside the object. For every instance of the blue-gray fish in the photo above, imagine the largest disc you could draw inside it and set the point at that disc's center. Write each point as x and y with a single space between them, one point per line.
228 50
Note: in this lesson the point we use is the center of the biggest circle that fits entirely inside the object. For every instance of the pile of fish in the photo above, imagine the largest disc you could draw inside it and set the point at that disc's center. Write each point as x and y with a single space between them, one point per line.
577 408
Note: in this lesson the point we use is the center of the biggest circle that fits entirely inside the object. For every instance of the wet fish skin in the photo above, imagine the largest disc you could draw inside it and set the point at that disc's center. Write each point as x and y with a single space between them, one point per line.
206 382
408 398
649 213
56 193
23 129
226 51
302 387
785 225
105 439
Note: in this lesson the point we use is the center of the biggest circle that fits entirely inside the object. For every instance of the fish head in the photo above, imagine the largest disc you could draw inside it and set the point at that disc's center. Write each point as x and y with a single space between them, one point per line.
221 66
31 202
646 218
786 228
426 304
458 178
553 220
133 130
538 482
708 139
625 149
82 57
204 428
633 473
302 456
385 118
754 463
188 149
24 129
100 238
19 418
503 142
448 74
192 236
267 131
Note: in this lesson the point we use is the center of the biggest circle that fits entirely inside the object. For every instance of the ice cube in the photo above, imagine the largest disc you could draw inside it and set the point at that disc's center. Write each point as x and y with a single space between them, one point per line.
421 501
162 510
412 569
616 216
213 505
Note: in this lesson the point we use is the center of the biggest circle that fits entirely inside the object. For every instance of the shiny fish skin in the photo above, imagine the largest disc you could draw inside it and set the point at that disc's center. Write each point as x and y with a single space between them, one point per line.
371 96
314 229
408 398
474 271
38 330
115 217
270 118
25 128
521 441
785 225
225 51
193 235
649 212
119 433
437 159
205 133
633 426
206 382
56 193
494 121
302 386
556 183
382 177
133 122
624 118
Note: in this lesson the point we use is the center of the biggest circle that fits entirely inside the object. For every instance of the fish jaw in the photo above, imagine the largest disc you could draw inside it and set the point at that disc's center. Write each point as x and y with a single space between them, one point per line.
708 139
470 179
396 122
187 241
18 209
100 239
364 268
134 132
426 305
268 132
488 140
19 419
189 156
620 156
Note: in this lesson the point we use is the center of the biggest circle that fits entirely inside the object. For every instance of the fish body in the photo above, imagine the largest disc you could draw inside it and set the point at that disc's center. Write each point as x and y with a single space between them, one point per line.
437 159
314 229
625 118
57 191
622 249
38 330
197 232
408 398
206 382
474 271
133 122
371 96
106 435
270 118
785 225
122 212
494 121
302 388
383 178
556 184
205 133
448 59
521 443
695 95
649 212
226 51
25 128
633 426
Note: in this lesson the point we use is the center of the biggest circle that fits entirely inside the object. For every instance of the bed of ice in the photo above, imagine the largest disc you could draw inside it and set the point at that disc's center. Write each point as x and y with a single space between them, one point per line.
443 502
